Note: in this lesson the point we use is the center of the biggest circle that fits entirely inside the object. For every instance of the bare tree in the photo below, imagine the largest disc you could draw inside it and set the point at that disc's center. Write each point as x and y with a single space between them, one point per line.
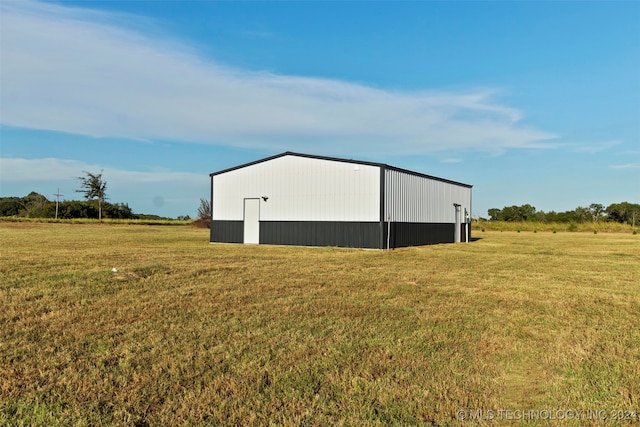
204 213
94 188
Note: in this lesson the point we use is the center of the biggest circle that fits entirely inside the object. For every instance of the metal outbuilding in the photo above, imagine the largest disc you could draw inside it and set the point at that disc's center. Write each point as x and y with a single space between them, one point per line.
305 200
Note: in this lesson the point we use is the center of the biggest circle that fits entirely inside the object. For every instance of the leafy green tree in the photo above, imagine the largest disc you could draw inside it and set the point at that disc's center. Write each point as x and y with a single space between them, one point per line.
70 209
553 216
118 211
513 213
10 206
510 213
495 214
527 212
597 211
625 212
94 188
34 205
581 215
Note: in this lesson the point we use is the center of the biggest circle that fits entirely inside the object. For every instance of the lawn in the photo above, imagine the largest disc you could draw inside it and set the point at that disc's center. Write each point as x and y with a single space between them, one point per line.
189 333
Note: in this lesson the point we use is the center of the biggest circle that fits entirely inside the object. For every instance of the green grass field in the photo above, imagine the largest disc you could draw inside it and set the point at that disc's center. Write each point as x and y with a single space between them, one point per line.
189 333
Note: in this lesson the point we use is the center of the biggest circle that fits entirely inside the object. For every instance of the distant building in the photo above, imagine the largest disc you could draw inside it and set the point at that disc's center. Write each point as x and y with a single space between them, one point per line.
305 200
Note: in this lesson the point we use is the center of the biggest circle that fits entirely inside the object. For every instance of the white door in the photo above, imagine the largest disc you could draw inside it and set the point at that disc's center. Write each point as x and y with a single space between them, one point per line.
252 221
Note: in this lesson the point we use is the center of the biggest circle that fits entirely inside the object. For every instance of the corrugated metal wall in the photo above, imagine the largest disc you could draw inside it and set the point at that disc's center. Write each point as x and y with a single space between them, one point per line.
300 189
418 199
418 233
227 231
321 233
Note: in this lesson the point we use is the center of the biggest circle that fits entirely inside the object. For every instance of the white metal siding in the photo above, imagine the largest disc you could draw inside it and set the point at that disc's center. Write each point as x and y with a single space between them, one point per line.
300 189
412 198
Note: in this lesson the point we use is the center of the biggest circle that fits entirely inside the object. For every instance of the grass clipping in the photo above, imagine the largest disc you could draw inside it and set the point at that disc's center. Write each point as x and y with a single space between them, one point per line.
184 332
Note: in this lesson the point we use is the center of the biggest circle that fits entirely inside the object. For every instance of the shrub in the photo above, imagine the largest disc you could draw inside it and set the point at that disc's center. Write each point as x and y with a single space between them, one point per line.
202 223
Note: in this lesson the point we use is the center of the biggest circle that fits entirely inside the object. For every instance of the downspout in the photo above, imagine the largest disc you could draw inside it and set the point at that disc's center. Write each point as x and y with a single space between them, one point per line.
388 230
456 231
470 204
467 225
382 204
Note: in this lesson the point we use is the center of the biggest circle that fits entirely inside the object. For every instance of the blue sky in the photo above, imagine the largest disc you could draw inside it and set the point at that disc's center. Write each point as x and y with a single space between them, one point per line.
530 102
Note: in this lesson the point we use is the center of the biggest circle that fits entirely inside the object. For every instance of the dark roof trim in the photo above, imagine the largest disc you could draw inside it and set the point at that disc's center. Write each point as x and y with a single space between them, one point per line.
335 159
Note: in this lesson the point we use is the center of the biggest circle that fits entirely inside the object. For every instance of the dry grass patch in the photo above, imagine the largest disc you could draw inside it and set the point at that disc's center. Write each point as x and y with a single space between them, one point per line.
191 333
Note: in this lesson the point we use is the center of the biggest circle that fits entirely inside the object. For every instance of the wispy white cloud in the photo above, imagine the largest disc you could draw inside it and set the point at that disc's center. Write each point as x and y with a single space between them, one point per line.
591 147
52 169
99 74
626 166
631 153
451 160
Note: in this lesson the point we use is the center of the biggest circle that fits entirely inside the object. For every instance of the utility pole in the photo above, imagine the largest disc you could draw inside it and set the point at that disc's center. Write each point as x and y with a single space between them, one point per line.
58 200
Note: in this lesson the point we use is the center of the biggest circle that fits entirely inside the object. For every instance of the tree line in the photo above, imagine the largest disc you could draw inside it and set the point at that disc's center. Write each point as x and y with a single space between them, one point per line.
624 213
36 205
92 186
94 189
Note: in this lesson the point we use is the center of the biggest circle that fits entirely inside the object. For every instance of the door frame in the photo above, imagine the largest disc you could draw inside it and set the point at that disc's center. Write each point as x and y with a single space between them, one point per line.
251 221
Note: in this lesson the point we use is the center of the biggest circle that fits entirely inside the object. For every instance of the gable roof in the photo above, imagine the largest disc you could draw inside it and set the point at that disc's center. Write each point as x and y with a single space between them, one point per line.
336 159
